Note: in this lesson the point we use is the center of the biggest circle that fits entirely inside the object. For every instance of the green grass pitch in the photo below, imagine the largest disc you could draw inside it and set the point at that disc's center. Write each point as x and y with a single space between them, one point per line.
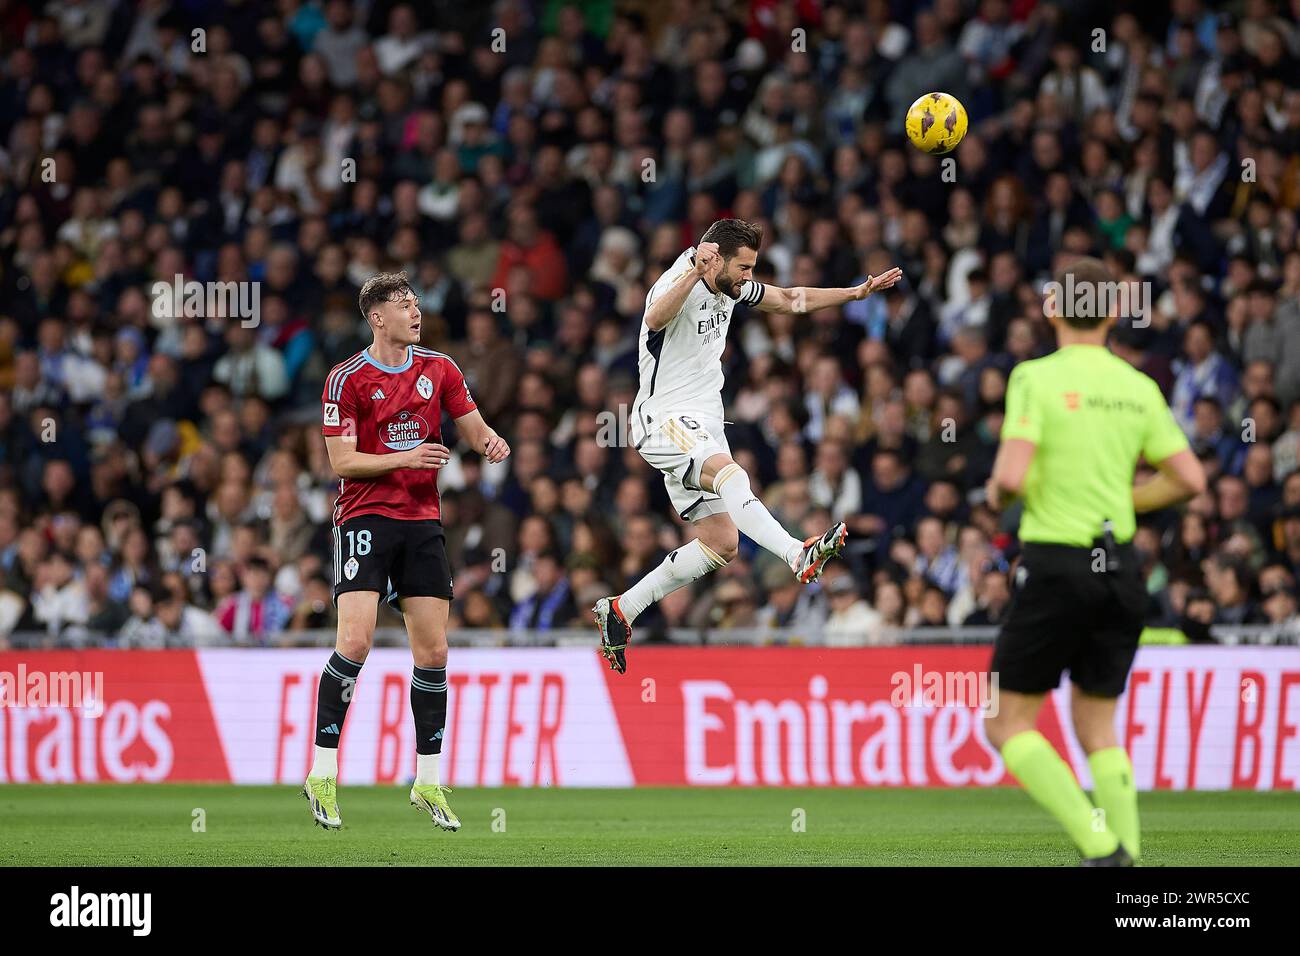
156 825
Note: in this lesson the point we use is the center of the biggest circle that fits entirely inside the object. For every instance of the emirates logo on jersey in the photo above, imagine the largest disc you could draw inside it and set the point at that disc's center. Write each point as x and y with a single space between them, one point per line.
424 387
710 329
403 431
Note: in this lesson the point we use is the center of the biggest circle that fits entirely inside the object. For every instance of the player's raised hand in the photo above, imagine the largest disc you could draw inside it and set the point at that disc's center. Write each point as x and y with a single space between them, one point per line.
707 260
495 449
886 280
428 455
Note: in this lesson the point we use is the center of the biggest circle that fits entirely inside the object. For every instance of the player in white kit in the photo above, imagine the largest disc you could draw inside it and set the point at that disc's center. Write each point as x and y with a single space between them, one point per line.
677 420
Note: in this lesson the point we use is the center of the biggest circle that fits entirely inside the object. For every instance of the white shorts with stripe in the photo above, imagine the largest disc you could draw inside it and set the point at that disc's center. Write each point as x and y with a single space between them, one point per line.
679 447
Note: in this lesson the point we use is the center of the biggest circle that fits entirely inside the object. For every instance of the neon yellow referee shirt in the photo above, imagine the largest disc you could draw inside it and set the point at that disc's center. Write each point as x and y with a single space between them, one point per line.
1091 415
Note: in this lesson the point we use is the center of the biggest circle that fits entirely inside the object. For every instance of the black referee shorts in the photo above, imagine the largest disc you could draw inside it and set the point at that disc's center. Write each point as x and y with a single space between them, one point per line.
394 557
1066 615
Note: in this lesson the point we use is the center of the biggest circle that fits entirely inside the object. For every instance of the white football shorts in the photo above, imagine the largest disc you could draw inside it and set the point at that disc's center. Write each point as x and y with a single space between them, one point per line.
679 446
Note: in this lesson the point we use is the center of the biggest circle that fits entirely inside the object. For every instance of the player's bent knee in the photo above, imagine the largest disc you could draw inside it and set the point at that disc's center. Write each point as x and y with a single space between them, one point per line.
432 653
712 465
354 641
426 628
719 535
431 660
356 627
724 548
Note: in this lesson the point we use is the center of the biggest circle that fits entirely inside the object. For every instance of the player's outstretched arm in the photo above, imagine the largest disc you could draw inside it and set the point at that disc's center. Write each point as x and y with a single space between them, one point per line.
347 462
481 438
805 299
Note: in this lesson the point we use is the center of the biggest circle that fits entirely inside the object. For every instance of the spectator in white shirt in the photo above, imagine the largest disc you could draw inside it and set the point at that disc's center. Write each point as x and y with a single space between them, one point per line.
403 44
852 622
834 484
827 395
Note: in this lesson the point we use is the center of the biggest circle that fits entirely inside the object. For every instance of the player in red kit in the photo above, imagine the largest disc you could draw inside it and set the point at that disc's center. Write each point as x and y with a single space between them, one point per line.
382 419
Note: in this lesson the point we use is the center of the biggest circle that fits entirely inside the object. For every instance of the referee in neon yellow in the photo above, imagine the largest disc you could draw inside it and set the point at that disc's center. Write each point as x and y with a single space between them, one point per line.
1077 422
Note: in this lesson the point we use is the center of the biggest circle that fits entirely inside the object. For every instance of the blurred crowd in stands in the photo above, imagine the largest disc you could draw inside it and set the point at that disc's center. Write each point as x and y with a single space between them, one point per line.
535 166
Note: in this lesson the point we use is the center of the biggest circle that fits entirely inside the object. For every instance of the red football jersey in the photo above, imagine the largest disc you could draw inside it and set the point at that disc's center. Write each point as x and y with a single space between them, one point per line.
391 409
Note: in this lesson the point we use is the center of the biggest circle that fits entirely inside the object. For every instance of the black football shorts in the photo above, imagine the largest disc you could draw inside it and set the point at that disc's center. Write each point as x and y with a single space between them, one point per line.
1066 615
394 557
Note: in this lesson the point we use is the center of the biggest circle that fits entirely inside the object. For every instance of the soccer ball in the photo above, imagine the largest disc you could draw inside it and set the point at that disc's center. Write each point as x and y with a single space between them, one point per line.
936 123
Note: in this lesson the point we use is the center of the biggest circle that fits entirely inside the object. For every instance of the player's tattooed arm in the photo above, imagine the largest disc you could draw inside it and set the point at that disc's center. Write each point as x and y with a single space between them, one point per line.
481 438
347 462
802 299
665 306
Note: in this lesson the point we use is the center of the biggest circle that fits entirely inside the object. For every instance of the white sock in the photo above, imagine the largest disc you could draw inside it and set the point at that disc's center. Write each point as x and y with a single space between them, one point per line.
426 769
688 563
751 516
326 763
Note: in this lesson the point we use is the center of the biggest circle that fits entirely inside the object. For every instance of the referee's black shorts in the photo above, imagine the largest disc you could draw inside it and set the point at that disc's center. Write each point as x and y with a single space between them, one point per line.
1066 615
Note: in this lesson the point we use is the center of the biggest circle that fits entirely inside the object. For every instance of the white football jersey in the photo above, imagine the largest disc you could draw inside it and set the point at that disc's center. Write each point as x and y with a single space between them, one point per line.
681 364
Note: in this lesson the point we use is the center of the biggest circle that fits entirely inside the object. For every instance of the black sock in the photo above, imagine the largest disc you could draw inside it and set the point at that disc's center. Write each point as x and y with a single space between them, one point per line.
429 705
337 682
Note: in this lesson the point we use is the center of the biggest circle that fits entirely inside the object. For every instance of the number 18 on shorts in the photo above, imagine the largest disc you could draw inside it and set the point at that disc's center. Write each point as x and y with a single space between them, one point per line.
391 555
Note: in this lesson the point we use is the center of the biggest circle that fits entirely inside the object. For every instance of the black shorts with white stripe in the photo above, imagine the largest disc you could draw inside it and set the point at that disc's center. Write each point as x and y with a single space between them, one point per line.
391 556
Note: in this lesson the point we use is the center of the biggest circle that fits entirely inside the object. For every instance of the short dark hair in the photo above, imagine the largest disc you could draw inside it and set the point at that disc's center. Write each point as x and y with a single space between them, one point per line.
1083 271
384 287
1268 400
1239 570
732 235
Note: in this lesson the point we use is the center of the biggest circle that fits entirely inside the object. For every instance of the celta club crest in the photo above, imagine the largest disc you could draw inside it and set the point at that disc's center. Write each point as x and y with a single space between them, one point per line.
424 387
350 569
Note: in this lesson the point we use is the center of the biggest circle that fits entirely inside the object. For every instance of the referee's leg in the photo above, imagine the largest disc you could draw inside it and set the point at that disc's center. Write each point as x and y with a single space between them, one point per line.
1034 762
1113 788
1047 624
